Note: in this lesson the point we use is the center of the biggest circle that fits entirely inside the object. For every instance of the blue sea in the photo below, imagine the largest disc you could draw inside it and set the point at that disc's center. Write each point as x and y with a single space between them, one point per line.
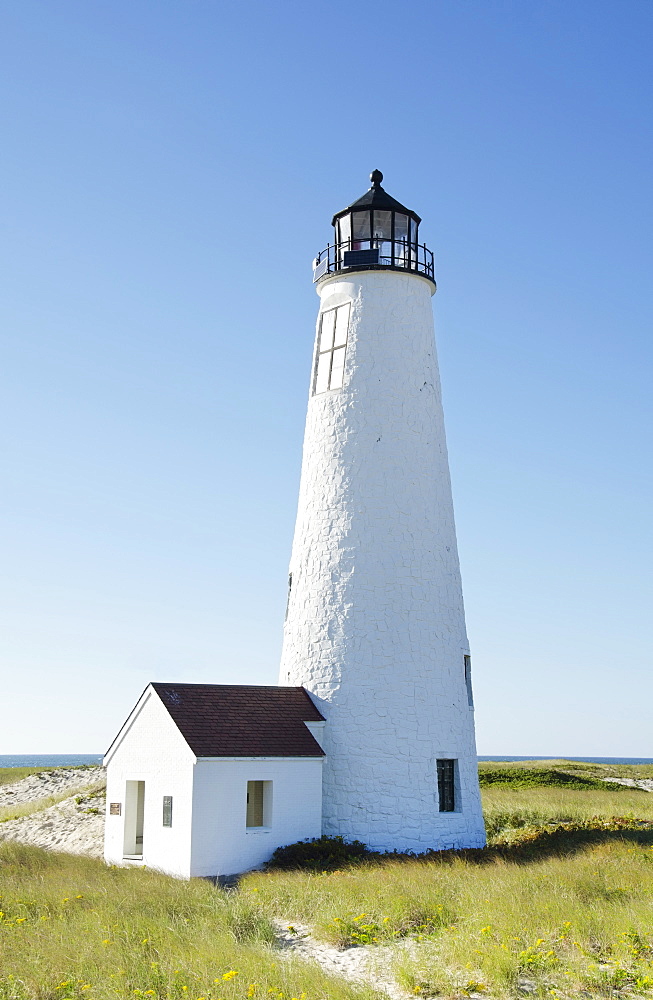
583 760
62 759
49 759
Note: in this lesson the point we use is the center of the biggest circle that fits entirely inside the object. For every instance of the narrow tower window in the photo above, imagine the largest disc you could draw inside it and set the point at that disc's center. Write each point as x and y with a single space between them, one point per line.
331 347
167 810
468 681
447 785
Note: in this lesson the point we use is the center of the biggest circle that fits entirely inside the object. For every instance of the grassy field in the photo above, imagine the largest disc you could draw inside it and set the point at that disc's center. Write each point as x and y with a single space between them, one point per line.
559 905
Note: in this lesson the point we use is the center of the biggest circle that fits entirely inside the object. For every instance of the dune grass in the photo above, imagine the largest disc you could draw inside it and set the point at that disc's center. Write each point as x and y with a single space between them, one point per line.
508 810
74 928
22 809
10 775
559 905
572 767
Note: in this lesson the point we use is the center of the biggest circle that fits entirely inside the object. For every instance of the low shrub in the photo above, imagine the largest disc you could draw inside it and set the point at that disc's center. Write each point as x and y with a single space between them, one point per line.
320 854
519 777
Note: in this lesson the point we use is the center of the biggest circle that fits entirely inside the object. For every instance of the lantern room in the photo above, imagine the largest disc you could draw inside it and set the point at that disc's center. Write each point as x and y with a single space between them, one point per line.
374 233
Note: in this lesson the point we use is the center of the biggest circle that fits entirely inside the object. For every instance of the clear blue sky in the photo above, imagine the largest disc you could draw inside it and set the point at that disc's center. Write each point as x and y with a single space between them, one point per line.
169 170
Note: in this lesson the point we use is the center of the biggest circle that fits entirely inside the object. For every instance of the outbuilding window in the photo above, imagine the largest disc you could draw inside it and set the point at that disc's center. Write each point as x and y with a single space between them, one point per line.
447 785
259 804
331 348
167 810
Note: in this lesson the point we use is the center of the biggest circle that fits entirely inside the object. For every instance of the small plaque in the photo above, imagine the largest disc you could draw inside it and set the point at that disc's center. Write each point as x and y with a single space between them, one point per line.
115 808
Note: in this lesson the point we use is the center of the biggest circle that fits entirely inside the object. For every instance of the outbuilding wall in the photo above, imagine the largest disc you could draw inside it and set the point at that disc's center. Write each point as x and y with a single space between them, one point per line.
221 843
151 749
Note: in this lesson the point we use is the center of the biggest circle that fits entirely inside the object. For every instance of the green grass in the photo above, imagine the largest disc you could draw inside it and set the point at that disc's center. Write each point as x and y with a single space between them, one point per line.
571 767
559 905
10 775
74 928
521 777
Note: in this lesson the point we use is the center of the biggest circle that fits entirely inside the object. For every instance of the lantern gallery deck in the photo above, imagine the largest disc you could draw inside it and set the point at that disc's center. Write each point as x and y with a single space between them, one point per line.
375 232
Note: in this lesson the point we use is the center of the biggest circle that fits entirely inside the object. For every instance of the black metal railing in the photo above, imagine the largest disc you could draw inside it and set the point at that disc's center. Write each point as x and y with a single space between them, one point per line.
373 254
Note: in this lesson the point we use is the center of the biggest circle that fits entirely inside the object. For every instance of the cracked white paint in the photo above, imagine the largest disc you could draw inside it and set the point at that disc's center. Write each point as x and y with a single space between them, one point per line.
375 628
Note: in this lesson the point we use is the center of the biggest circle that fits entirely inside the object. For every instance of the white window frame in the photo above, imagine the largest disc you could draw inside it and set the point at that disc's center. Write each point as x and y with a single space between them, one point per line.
331 346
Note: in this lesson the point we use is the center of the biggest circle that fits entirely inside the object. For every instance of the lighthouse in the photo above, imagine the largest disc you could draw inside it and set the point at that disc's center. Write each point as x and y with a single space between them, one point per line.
375 625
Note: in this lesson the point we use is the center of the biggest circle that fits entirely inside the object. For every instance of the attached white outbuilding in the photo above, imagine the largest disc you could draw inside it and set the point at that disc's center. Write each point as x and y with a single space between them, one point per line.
209 779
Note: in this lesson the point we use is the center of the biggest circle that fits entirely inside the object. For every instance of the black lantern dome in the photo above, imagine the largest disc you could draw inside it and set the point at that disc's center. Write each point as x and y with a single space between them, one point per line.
375 233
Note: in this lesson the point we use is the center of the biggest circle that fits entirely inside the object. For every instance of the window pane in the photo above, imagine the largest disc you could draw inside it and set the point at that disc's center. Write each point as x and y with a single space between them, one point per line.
322 373
382 225
167 810
337 369
342 322
361 224
254 803
326 335
401 227
446 787
413 231
345 228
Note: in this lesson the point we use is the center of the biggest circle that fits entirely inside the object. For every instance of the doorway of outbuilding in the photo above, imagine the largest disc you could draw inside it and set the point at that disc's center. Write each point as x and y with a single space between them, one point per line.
134 815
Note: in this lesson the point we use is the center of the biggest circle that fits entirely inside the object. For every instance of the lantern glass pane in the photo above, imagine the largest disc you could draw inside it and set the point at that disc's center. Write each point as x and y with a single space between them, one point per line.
361 225
401 226
382 225
345 229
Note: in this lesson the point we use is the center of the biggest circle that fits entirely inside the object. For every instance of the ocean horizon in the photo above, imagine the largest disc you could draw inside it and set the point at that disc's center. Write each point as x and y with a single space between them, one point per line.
72 759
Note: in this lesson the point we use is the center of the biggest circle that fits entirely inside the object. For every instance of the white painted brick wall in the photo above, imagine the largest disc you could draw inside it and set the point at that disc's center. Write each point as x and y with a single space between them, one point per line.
153 750
221 843
375 626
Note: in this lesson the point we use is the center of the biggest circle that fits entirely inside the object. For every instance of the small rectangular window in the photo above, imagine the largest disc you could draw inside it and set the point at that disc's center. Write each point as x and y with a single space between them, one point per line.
331 348
447 785
259 804
167 810
468 681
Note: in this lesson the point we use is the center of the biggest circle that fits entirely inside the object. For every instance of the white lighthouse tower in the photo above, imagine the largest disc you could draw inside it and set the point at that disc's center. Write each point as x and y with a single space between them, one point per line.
375 626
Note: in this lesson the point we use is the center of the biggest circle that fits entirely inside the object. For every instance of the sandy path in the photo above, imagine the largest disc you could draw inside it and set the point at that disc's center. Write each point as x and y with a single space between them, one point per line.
367 964
646 784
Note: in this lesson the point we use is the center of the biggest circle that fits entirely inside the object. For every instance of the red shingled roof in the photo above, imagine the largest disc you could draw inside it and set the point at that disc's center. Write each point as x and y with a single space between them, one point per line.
242 720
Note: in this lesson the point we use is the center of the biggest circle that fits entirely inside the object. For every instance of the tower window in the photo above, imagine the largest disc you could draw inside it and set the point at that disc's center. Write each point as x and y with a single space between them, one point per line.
167 810
331 347
468 680
447 785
